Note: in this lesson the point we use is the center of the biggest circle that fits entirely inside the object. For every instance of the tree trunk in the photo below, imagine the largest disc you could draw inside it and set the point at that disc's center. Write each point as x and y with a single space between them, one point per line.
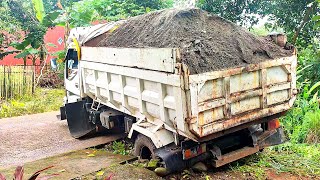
25 61
42 53
305 20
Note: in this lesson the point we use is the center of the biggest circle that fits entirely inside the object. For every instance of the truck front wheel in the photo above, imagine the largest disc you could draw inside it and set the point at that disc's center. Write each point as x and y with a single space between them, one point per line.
144 147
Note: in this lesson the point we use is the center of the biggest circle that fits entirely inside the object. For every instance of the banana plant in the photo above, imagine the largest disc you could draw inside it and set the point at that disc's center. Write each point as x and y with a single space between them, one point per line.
39 9
36 25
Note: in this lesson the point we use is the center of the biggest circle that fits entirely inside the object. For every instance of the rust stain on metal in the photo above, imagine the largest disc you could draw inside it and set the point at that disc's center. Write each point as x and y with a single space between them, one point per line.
240 119
214 115
256 79
252 67
235 155
201 119
215 89
178 55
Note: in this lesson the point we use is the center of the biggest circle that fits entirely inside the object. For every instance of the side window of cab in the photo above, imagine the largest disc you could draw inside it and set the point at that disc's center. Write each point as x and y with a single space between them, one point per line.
72 63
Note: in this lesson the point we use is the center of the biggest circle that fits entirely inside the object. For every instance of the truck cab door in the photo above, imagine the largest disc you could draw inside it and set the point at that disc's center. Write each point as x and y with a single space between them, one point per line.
72 76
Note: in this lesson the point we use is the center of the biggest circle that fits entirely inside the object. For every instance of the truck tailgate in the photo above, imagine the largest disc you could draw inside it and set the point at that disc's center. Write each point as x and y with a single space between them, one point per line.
224 99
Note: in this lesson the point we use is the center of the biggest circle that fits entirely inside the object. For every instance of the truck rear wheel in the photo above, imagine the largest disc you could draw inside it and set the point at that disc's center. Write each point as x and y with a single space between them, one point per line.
144 147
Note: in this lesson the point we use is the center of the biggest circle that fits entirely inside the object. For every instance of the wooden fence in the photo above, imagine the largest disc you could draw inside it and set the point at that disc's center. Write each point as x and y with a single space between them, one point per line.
16 81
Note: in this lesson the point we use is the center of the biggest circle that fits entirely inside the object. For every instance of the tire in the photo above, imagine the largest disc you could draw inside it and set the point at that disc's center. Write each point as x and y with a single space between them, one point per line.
144 147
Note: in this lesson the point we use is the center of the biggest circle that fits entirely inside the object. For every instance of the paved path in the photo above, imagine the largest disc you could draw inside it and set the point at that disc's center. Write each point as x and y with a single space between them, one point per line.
32 137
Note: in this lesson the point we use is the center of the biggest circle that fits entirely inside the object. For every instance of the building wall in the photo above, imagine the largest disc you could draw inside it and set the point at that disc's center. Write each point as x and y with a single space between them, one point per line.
54 36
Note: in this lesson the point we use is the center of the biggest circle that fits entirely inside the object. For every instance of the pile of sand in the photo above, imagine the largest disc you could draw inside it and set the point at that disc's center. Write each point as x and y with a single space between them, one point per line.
207 42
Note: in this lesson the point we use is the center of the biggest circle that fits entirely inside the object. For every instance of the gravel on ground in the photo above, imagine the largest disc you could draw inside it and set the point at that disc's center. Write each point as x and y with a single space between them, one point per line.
32 137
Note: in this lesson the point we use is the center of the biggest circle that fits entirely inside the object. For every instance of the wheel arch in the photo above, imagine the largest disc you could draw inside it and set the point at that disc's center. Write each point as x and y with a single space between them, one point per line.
160 138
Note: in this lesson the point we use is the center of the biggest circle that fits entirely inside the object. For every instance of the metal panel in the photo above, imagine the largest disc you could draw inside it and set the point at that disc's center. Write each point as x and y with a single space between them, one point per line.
211 90
245 105
159 59
244 81
276 75
278 97
224 99
155 96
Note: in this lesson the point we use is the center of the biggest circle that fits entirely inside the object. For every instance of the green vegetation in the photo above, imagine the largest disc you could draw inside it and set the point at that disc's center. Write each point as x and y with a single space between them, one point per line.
119 148
298 19
84 12
302 121
122 147
19 172
297 159
44 100
15 81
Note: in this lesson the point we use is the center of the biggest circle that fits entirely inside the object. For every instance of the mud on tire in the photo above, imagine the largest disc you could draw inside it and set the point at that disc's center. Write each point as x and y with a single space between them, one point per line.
144 147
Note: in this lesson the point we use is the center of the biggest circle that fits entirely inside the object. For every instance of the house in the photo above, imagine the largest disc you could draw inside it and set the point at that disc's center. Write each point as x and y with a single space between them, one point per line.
54 36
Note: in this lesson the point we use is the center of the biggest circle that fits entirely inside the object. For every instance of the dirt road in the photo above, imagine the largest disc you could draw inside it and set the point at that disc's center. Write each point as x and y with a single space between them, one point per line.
29 138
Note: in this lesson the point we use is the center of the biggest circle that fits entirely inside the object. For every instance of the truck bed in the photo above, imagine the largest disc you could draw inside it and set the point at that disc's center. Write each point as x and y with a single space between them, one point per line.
224 99
153 84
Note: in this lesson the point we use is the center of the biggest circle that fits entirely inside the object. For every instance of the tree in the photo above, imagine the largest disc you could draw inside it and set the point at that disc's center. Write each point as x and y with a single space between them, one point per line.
34 22
154 4
294 16
53 5
237 11
84 12
5 17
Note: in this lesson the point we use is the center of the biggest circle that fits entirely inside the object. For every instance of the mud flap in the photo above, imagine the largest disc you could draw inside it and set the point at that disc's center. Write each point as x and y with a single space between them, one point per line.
272 138
78 119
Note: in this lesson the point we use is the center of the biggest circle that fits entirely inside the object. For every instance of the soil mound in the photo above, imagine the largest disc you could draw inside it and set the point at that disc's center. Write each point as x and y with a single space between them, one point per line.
207 42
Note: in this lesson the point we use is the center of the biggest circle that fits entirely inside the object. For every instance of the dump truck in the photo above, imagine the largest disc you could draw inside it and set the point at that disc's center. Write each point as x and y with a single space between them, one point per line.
170 111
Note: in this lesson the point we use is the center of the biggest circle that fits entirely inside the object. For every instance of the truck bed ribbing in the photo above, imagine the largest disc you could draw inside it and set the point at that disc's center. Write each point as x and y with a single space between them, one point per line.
207 42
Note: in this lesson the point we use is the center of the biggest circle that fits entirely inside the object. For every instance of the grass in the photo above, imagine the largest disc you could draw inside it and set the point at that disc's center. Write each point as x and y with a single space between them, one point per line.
44 100
296 159
15 81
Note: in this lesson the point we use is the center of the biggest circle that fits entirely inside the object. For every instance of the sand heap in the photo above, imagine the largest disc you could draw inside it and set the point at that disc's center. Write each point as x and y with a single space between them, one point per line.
207 42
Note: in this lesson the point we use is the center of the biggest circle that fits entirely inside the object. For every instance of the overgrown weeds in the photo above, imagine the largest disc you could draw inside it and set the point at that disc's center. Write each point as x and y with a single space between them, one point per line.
44 100
122 147
297 159
302 122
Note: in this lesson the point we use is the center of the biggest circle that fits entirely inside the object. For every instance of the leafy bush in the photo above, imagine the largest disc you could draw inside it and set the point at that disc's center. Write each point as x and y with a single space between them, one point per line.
309 64
119 148
84 12
311 128
301 117
302 122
